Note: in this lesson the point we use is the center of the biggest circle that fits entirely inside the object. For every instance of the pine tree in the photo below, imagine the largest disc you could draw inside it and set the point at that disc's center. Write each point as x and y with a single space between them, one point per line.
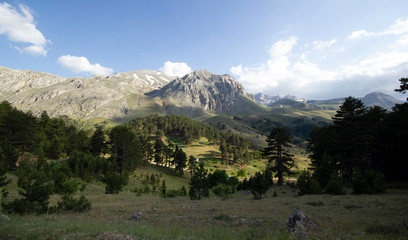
199 184
192 164
180 161
351 136
403 86
98 143
277 153
126 151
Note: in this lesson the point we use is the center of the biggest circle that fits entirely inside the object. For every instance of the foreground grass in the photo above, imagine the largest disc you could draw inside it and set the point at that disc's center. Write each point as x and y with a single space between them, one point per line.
241 217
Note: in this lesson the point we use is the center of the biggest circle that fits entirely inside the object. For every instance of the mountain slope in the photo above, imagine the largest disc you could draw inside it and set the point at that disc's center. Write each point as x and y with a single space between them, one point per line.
114 96
209 92
380 99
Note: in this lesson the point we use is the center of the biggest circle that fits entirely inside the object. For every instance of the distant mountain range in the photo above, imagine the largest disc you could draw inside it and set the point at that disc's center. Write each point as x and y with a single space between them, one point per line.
124 96
376 98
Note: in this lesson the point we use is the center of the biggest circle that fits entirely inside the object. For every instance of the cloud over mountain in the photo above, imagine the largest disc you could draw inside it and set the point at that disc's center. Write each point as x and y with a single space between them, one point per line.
177 69
82 65
19 26
300 67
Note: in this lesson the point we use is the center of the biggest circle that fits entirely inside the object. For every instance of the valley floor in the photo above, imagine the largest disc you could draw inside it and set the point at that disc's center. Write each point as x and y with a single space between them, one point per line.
241 217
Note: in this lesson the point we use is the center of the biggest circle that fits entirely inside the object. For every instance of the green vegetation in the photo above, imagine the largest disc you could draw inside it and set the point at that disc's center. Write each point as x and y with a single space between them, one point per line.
240 217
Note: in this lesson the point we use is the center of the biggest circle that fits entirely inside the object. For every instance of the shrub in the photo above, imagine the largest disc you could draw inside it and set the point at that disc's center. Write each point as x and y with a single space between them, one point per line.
113 182
307 185
34 180
183 191
260 184
334 186
371 182
172 193
242 173
78 205
223 190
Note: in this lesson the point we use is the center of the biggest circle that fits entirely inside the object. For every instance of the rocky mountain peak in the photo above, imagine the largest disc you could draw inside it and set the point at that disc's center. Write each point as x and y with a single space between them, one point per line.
204 89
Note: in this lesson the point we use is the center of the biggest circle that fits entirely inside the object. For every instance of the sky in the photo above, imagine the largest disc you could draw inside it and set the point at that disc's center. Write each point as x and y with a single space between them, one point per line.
307 48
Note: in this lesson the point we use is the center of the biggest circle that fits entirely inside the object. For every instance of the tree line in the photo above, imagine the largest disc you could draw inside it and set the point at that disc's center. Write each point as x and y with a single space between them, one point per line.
233 148
362 144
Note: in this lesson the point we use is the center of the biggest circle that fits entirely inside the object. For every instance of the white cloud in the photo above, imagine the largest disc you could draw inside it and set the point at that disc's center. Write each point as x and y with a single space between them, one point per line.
399 27
177 69
319 45
20 27
82 65
359 34
290 72
281 48
403 41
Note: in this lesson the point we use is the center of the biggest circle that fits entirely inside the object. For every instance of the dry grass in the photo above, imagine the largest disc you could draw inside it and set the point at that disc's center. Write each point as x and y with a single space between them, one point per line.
371 217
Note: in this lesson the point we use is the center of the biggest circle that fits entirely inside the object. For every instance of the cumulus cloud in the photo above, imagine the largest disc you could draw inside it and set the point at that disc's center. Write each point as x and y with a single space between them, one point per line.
289 71
19 26
177 69
82 65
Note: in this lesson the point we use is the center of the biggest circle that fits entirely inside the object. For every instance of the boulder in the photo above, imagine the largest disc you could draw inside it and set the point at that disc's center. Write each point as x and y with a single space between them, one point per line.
298 223
136 215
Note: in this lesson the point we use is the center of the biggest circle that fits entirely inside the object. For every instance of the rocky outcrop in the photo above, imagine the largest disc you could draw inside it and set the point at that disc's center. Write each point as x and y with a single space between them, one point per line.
202 89
299 223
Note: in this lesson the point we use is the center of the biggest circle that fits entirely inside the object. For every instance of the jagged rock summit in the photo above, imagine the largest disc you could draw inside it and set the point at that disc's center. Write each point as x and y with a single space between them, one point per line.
202 89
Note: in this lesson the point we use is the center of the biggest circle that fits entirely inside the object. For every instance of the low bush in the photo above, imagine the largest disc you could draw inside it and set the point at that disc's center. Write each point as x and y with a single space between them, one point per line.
307 184
370 182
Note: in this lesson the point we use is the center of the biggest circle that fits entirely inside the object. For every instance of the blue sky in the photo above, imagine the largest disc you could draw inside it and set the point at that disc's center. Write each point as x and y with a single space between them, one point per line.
311 49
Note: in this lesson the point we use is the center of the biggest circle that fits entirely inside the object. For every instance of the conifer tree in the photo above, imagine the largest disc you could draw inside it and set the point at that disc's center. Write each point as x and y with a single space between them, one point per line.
199 183
277 153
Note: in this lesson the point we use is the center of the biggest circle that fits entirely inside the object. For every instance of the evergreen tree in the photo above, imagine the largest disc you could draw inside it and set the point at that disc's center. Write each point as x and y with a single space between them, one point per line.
3 178
277 153
180 161
126 151
403 86
351 137
158 151
191 164
35 186
98 143
260 183
198 183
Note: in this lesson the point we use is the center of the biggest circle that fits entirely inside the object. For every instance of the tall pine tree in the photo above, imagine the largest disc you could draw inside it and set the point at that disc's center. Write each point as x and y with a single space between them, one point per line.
277 153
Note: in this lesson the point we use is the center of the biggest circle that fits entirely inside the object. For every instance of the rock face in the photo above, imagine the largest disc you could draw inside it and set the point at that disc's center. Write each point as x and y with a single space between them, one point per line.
111 96
202 89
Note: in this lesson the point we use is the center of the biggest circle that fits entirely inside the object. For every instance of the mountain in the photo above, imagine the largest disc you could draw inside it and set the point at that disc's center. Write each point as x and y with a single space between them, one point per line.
372 99
380 99
114 96
287 103
267 100
210 92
